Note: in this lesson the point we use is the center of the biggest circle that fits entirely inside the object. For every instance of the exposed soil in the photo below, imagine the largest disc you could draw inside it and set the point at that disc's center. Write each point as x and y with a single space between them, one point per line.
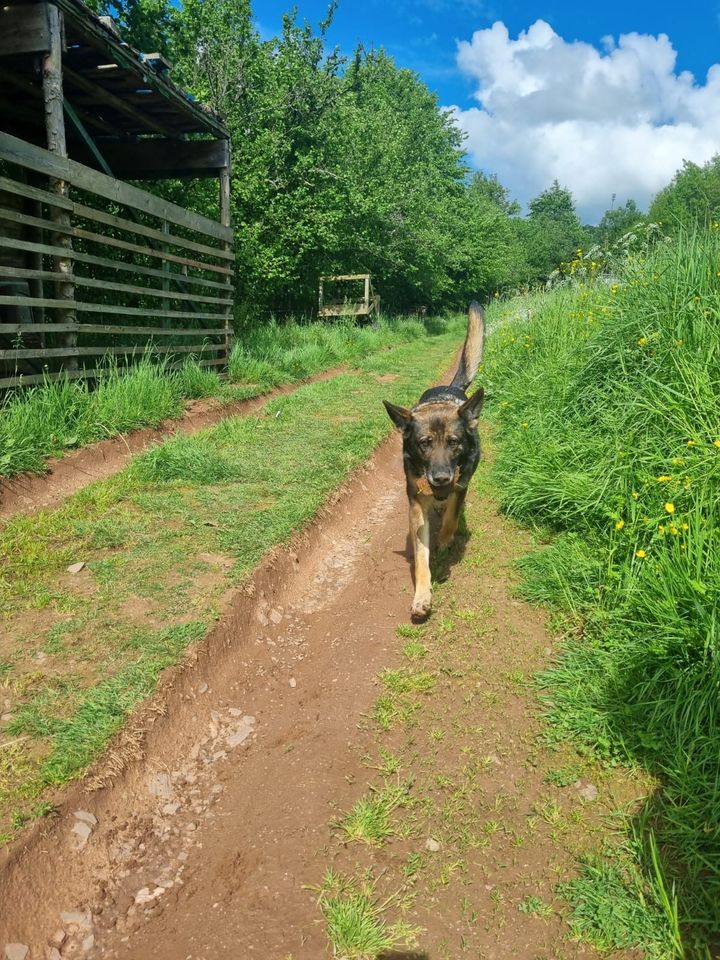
79 468
197 836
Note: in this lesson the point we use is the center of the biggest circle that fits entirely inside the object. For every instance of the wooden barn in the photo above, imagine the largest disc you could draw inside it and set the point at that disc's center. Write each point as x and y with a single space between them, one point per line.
91 265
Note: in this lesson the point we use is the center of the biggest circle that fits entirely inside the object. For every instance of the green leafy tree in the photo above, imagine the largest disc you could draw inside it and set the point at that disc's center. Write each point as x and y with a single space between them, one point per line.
618 221
552 231
692 198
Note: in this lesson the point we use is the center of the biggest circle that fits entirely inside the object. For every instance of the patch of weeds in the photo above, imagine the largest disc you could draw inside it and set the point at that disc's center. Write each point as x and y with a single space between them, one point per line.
564 776
415 650
409 631
402 681
614 908
57 634
536 907
354 916
369 820
414 864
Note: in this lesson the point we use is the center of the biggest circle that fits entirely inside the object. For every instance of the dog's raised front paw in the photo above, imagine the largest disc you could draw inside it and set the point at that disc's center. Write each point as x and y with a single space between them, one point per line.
421 606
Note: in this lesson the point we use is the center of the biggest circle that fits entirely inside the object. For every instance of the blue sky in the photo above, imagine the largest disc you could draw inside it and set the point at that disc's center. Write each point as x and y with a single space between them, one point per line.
544 93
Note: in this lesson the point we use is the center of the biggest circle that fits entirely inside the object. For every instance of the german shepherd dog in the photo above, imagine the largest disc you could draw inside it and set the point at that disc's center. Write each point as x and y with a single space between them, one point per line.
441 451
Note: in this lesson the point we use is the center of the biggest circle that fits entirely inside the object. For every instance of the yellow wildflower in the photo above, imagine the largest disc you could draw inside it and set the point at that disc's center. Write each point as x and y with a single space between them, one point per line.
524 424
620 524
664 477
716 443
669 508
661 528
677 462
640 554
635 495
692 443
642 341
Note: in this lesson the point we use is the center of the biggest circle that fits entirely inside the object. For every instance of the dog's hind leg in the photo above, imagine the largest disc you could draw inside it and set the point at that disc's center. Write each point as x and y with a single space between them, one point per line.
451 516
420 536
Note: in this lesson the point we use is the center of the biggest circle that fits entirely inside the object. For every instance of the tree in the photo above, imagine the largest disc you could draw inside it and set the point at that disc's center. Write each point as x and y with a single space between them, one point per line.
692 197
490 189
552 232
618 221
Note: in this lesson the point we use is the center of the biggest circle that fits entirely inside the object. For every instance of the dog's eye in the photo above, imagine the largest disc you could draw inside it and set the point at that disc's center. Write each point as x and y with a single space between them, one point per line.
453 441
425 442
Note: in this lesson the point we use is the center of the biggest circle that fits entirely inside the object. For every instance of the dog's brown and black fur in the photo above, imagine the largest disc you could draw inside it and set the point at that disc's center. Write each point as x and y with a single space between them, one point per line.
441 451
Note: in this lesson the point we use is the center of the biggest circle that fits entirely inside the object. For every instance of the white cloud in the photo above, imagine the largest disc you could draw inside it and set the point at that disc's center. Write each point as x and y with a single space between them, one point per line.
614 120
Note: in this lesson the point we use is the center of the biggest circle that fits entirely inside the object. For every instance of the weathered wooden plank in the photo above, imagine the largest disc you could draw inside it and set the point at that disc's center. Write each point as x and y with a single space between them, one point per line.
66 228
99 216
23 273
34 193
24 29
121 265
149 251
26 154
14 329
160 159
28 354
82 307
88 373
225 220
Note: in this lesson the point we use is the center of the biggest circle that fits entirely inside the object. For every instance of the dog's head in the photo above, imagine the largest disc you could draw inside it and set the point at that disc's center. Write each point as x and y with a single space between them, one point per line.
439 438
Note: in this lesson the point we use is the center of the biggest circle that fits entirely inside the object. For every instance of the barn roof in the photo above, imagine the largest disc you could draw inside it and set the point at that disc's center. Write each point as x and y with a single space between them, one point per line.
119 95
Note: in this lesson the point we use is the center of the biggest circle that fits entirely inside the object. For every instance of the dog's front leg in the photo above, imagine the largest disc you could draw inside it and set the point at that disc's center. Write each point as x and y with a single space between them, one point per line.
420 535
451 517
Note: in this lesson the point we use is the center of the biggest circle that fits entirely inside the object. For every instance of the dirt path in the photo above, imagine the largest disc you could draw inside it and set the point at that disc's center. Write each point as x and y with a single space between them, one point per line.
79 468
215 810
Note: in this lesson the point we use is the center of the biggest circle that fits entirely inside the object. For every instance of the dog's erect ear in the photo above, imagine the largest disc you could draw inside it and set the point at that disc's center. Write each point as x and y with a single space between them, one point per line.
473 405
400 416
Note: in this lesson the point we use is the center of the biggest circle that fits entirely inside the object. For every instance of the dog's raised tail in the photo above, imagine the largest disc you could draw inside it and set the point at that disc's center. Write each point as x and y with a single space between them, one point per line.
473 347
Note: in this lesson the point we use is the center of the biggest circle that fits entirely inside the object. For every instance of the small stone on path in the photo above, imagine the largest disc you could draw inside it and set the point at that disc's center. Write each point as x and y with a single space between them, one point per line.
82 833
588 791
160 785
86 817
16 951
432 845
76 567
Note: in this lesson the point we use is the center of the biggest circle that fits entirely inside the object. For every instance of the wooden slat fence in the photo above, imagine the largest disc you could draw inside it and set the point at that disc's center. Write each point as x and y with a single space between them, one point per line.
121 272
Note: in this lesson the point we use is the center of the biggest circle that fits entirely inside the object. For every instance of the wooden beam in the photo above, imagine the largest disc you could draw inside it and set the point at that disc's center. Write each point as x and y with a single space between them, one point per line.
99 94
55 128
163 159
225 221
24 29
27 155
137 348
21 328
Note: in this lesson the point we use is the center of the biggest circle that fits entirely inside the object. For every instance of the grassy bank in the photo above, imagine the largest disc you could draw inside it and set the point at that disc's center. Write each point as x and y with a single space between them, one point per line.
607 400
162 542
45 421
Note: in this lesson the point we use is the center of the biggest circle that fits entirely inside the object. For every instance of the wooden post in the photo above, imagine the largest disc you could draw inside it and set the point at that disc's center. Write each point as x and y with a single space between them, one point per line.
225 222
55 130
367 294
165 269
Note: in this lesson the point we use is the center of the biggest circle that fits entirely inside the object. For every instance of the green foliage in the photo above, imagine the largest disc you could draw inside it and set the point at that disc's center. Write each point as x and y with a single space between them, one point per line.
608 403
691 199
618 221
551 233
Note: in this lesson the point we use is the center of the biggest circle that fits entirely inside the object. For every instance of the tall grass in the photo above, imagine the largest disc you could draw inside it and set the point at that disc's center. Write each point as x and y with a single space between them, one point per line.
45 421
608 405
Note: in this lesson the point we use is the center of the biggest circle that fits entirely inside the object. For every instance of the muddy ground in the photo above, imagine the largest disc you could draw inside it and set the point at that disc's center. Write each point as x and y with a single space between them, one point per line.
203 831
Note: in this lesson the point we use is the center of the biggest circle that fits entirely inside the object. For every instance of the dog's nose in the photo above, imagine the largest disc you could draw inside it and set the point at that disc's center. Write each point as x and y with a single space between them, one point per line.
440 478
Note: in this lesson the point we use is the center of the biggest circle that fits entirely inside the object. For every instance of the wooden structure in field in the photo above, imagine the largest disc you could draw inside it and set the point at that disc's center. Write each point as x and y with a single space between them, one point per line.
364 306
91 265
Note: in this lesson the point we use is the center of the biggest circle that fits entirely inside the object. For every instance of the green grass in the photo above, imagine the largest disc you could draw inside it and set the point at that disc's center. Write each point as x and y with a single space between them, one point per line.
607 405
47 420
162 542
355 922
369 820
